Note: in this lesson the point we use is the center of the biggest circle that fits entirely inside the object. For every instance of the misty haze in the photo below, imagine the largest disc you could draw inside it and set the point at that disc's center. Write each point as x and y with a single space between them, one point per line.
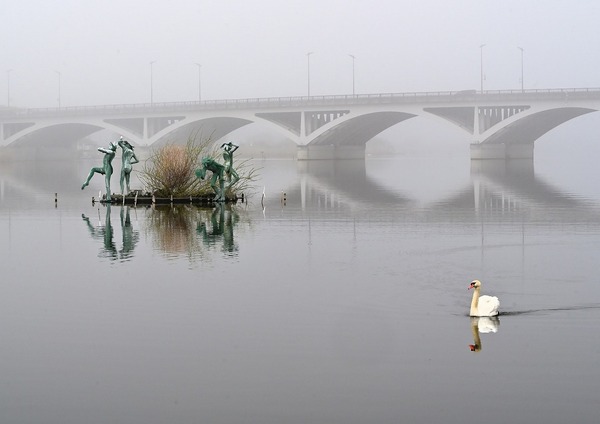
401 152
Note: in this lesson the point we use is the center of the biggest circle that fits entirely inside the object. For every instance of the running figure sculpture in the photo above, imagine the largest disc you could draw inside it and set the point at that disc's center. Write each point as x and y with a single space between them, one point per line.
128 159
106 169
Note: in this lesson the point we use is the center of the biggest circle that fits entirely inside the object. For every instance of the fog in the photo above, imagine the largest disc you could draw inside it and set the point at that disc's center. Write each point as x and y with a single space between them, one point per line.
99 52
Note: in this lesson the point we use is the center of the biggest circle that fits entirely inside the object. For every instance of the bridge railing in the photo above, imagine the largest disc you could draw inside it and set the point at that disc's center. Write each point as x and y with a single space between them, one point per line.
303 101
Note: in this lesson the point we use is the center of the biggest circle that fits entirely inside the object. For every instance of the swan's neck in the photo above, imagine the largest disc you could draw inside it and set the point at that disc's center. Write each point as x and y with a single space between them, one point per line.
475 302
476 347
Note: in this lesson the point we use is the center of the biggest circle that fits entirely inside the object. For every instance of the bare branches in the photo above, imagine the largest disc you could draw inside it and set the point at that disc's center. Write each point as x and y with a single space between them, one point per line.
170 170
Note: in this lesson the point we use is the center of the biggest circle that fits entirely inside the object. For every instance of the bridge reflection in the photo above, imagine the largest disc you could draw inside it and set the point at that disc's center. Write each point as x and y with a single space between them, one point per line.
327 183
511 187
495 187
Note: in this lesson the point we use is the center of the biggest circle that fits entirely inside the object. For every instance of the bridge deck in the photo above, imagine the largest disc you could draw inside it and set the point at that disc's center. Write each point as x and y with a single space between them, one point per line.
467 96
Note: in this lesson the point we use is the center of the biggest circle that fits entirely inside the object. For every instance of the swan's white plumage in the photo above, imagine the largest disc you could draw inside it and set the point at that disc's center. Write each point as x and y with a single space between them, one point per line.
482 306
487 324
487 306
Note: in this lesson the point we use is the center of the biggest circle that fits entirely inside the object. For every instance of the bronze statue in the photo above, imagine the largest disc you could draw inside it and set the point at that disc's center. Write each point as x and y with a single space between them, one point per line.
106 169
128 158
228 149
218 171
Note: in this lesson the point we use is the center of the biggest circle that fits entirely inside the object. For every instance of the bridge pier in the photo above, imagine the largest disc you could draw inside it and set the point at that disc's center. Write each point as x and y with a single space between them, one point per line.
330 152
501 151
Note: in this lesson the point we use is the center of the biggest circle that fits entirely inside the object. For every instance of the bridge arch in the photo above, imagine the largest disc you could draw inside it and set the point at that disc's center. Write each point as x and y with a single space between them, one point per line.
492 119
357 130
214 127
55 135
527 129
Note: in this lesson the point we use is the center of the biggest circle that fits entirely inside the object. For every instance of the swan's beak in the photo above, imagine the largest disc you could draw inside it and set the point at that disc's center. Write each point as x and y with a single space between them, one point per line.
470 287
474 348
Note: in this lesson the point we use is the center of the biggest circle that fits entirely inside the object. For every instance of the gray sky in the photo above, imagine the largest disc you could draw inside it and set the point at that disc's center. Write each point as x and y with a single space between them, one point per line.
257 48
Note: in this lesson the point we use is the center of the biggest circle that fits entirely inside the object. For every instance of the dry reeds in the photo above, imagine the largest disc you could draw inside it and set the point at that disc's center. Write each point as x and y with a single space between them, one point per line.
170 170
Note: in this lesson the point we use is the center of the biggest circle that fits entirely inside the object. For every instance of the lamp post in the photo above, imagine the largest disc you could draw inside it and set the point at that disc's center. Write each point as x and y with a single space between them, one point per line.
522 83
481 65
308 70
353 59
58 73
8 87
152 83
199 82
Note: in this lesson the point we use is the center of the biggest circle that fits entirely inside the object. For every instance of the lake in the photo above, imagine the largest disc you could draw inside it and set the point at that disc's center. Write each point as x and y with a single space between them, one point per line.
341 297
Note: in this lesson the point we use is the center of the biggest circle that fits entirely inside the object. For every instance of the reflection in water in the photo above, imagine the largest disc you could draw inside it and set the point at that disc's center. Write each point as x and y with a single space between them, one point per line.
513 185
222 220
482 325
328 183
189 230
345 307
499 188
176 230
105 233
130 236
172 228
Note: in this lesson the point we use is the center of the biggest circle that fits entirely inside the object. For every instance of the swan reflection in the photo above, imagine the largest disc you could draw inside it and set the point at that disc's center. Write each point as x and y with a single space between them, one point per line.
482 325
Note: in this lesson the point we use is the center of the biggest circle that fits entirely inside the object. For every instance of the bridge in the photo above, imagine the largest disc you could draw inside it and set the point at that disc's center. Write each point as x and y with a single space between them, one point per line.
499 124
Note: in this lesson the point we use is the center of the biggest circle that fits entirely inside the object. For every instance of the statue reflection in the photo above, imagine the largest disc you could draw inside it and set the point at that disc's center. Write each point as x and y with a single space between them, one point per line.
130 236
222 220
172 228
482 325
105 233
189 230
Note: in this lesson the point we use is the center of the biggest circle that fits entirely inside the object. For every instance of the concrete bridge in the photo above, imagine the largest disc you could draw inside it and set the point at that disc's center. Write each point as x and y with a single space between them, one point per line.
499 124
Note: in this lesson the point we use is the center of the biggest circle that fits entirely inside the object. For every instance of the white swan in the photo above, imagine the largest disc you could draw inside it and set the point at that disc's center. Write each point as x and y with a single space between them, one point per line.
482 306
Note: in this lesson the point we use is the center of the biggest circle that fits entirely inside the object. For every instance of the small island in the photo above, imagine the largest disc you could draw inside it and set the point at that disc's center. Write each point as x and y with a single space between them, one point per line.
174 173
137 197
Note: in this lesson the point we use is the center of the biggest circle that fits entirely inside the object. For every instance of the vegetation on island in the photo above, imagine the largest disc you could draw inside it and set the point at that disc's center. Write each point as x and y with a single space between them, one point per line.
170 170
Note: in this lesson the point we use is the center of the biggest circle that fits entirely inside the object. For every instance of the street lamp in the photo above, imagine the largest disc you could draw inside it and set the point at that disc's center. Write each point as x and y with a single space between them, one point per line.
308 71
8 87
353 59
522 83
481 65
199 82
58 73
151 83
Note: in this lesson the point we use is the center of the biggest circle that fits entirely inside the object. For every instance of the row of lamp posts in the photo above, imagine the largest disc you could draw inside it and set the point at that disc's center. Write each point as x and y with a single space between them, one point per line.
482 76
481 67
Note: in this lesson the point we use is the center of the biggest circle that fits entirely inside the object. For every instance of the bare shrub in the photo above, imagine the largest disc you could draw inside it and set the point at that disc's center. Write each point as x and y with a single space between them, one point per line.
170 170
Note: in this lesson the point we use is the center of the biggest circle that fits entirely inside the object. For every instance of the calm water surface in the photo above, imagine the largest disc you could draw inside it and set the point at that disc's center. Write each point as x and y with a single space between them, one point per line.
345 303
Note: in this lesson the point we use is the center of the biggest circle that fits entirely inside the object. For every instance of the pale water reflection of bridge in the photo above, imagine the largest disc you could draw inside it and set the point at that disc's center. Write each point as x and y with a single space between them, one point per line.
499 124
506 190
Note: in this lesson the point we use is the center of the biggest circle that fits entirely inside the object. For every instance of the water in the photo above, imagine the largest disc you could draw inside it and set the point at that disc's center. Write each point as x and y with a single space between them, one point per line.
347 303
